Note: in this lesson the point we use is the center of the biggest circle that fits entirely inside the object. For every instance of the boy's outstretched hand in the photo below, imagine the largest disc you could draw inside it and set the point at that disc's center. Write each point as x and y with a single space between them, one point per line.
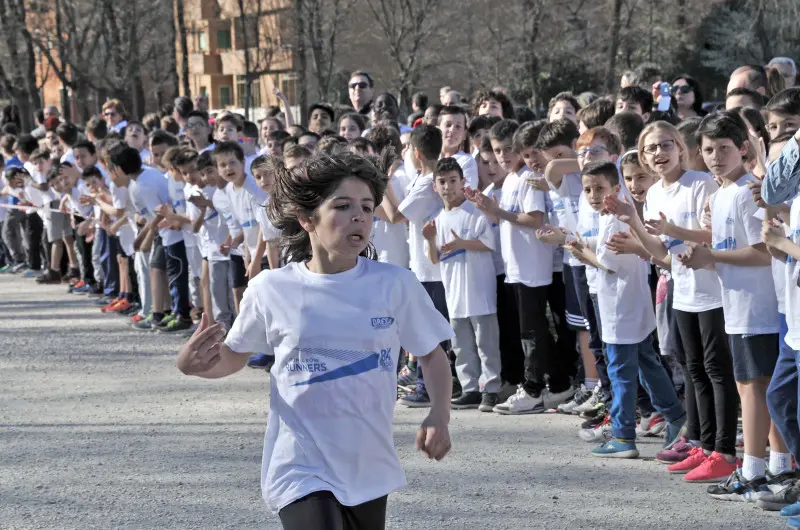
202 351
622 210
433 438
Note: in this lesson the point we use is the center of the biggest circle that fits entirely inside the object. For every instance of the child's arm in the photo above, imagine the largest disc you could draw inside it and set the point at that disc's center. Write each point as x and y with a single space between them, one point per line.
783 175
429 233
273 255
197 224
585 255
389 210
287 110
625 212
116 225
627 243
773 234
661 226
491 207
255 260
556 169
458 243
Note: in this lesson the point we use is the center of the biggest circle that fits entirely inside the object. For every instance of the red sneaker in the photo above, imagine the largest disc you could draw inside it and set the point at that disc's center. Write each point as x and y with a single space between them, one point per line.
79 284
136 318
110 307
695 459
121 306
714 469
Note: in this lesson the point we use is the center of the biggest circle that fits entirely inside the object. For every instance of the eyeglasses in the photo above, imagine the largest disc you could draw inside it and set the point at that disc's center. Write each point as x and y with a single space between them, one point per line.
360 84
594 151
190 126
666 146
681 89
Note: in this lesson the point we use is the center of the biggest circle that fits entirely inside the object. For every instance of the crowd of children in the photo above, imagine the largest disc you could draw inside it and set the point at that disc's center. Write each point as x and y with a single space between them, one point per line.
616 260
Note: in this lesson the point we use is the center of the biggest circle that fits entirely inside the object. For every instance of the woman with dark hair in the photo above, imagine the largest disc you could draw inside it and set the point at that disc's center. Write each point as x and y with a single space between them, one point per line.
688 97
335 320
492 102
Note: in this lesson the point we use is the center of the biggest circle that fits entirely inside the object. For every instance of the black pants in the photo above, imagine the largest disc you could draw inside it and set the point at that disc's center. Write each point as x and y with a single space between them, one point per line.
512 359
436 291
566 351
34 236
710 367
321 511
85 251
178 278
537 342
588 305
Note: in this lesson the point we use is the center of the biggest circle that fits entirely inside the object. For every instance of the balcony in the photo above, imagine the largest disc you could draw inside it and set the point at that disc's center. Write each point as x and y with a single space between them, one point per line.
205 64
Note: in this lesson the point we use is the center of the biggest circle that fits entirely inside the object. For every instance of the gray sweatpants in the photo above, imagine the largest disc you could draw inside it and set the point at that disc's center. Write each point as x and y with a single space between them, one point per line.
142 266
477 348
12 234
219 273
97 252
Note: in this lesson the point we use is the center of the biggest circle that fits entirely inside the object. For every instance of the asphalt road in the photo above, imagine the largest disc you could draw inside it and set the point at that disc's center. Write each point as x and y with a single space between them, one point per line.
99 430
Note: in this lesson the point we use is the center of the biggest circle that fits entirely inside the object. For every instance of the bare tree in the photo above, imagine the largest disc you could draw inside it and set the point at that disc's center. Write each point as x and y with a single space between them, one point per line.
323 19
180 22
18 64
258 28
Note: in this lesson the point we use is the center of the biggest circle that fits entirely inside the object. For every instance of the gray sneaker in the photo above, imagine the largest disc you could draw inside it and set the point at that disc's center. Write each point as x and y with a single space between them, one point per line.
579 398
595 401
552 401
784 489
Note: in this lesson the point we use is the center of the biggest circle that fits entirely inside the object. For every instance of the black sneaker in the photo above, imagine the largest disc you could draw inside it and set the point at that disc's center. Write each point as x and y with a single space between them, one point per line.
595 413
132 310
104 300
736 488
415 400
467 400
488 401
456 388
49 277
784 490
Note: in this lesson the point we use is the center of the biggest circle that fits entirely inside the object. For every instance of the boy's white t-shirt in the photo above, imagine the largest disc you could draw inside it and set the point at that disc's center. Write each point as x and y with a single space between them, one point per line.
245 201
221 203
470 281
336 340
120 198
268 230
494 192
149 190
469 168
528 261
748 293
391 240
83 210
682 203
566 206
177 197
588 229
420 205
791 279
623 296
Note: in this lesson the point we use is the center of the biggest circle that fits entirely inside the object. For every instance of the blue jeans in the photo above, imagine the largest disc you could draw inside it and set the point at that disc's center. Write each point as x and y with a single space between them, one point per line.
178 277
625 362
108 259
783 393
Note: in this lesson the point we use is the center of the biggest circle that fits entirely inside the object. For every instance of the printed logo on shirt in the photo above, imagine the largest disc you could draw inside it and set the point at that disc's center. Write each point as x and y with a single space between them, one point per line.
590 233
310 365
687 215
385 361
358 362
729 243
382 322
729 221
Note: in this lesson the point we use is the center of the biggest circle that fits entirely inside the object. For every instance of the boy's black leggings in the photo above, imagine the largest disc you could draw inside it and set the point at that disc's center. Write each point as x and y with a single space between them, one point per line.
34 234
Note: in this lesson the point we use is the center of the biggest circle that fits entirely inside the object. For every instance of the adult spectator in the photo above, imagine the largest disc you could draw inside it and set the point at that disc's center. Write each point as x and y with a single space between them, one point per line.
386 109
744 97
787 68
201 103
750 76
419 102
360 89
115 115
51 111
39 131
688 96
443 93
183 107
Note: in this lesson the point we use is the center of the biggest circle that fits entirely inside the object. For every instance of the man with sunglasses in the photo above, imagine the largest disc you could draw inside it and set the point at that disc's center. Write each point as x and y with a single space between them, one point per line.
360 90
114 114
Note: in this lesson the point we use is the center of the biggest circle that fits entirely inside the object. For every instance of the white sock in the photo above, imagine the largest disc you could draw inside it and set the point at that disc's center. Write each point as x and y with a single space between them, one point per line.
591 383
753 467
779 462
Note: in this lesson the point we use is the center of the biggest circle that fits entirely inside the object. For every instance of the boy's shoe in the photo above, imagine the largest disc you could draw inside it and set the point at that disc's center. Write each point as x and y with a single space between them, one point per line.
416 400
784 490
122 305
552 400
111 305
594 422
467 400
521 403
5 268
164 322
675 430
406 377
19 267
652 425
616 448
506 391
593 402
713 469
145 324
599 433
579 398
131 310
456 388
83 289
30 273
77 285
49 277
135 319
175 325
489 401
793 510
677 453
736 488
72 274
196 313
693 460
104 300
261 361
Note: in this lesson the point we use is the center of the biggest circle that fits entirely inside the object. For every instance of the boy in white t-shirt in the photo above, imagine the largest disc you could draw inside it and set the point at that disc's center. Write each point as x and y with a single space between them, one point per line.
628 323
529 273
748 301
461 241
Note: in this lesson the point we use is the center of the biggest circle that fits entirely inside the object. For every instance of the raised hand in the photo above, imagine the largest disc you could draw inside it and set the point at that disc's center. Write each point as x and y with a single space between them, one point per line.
429 230
657 227
772 232
202 351
622 243
433 438
539 183
621 209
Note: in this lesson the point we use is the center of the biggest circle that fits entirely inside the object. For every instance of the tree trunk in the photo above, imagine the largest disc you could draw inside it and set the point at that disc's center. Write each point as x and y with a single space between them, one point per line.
181 21
613 47
300 59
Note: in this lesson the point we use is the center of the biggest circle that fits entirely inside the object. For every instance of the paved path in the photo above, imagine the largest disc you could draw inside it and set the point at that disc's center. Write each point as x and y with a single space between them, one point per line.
99 430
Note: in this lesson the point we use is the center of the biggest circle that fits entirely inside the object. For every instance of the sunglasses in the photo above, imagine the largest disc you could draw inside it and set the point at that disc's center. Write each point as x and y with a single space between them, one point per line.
681 89
361 84
110 113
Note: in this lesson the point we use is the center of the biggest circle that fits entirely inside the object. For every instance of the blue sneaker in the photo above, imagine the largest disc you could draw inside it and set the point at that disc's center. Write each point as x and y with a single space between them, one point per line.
30 273
616 448
793 522
674 432
793 510
261 361
416 400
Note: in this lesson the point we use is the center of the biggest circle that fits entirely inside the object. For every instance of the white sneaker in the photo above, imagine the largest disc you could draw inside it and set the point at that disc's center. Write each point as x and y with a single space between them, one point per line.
520 403
590 404
552 401
600 433
506 391
579 398
652 425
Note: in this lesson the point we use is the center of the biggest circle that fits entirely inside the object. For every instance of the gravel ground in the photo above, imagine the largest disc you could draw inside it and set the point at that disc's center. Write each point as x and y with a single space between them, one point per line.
99 430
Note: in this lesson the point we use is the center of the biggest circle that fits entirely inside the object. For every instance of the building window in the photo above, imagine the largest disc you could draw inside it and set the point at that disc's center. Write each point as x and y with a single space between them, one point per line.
289 87
225 96
203 91
224 39
202 41
255 93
